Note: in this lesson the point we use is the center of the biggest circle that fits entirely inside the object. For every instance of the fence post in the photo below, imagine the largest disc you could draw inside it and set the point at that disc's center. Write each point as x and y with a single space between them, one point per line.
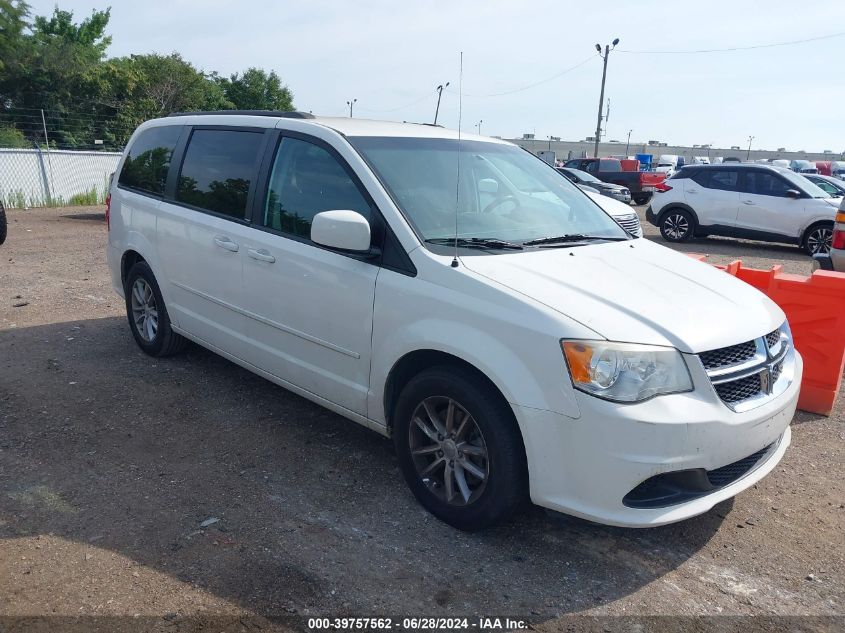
44 179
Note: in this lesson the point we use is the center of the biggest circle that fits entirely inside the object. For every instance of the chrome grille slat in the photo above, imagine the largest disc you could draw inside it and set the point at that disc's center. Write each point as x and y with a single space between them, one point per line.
745 375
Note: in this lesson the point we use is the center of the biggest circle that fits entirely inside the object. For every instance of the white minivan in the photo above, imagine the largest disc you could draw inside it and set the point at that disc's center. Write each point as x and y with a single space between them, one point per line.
458 295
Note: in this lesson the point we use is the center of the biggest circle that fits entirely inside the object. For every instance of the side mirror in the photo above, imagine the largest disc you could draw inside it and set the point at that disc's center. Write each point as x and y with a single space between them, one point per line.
793 193
345 230
488 185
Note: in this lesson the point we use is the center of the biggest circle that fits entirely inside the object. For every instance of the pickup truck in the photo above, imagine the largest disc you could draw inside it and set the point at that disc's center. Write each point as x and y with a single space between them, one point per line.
642 184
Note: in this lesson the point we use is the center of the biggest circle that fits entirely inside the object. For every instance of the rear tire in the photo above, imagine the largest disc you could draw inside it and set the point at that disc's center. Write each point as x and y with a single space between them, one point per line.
468 470
641 198
147 314
3 224
677 225
817 238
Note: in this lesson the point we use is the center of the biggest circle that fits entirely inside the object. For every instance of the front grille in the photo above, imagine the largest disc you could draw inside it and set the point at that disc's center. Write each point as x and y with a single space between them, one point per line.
749 371
738 390
630 223
726 475
772 338
726 356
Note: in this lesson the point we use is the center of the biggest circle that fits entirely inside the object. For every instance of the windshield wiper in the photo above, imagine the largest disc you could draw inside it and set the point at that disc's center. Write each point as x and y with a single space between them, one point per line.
571 237
475 242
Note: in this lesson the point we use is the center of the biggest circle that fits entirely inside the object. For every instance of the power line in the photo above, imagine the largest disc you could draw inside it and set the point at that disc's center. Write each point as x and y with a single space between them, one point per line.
402 107
734 48
532 85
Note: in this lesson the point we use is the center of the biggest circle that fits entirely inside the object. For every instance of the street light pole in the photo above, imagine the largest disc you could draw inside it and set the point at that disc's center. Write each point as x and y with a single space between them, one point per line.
748 155
439 94
607 50
350 104
628 144
478 125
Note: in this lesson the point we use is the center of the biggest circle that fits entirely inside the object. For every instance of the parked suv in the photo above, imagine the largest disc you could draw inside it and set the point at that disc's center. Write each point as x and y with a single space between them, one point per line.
750 201
456 294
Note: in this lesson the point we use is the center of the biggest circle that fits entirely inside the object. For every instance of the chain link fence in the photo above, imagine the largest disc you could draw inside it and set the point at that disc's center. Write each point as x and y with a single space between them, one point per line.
42 178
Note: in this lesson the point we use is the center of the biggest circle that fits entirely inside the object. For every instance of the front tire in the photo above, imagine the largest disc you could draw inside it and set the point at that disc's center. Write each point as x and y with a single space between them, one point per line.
677 225
460 449
147 314
818 238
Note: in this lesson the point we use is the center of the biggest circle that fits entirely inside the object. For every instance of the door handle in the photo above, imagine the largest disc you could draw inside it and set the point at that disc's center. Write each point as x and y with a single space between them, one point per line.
261 255
225 242
751 202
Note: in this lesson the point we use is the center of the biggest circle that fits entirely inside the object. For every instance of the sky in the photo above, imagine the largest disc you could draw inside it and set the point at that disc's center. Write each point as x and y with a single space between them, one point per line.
391 54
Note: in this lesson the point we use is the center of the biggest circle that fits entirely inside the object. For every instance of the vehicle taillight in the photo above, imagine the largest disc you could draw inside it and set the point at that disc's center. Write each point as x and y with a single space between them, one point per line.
838 240
108 212
662 187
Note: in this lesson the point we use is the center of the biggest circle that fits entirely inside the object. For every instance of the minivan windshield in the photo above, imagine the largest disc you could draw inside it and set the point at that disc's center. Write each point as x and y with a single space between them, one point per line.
503 192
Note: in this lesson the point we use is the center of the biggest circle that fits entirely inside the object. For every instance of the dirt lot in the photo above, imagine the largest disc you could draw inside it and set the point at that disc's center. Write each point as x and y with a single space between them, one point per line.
113 465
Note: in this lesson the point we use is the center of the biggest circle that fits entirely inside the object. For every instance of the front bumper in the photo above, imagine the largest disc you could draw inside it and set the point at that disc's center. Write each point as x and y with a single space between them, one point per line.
586 466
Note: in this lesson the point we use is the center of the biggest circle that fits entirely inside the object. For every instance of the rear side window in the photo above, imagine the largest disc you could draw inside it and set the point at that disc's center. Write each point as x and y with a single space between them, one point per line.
722 180
766 184
148 159
306 180
218 169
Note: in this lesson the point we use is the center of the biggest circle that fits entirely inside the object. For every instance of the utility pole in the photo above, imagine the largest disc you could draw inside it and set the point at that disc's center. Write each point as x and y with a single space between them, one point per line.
439 95
748 155
628 144
49 160
350 104
607 50
478 125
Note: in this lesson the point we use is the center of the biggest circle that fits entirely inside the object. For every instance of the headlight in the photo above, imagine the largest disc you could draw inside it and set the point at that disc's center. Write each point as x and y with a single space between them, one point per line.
624 372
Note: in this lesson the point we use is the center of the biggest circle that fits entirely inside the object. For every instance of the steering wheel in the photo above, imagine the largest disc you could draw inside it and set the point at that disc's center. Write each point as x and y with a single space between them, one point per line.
500 201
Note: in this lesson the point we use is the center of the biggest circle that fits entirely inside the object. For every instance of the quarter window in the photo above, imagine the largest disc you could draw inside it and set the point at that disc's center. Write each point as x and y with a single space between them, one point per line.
148 159
305 181
218 169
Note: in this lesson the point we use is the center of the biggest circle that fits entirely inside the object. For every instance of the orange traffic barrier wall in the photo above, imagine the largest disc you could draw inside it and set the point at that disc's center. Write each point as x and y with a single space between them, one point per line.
815 307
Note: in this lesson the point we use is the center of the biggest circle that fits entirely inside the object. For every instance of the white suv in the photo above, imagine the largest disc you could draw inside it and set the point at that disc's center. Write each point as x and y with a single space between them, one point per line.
750 201
460 296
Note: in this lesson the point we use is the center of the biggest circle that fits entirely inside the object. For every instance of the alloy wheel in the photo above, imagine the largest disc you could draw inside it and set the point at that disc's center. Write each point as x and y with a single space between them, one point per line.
448 451
819 240
676 226
144 310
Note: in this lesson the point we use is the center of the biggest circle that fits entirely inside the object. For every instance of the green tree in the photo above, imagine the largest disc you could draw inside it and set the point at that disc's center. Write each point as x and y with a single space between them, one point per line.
257 90
12 137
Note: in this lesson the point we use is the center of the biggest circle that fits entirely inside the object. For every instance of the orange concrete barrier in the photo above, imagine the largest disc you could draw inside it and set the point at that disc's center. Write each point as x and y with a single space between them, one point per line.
815 307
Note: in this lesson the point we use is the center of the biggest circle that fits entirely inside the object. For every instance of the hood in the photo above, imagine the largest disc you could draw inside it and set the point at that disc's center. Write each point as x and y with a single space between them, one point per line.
834 202
637 292
610 186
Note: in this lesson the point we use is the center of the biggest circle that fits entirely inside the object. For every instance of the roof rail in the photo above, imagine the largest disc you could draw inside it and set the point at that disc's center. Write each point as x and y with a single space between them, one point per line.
274 113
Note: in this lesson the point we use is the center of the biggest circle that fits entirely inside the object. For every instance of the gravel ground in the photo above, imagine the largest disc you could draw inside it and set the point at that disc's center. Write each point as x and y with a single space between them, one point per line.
187 489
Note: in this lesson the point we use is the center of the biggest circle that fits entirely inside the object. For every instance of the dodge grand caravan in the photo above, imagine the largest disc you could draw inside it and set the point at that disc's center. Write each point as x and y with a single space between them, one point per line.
458 295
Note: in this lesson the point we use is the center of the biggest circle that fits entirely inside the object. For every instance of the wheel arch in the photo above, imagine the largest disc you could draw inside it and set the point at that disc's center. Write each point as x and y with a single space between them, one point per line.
127 261
830 223
413 363
678 205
